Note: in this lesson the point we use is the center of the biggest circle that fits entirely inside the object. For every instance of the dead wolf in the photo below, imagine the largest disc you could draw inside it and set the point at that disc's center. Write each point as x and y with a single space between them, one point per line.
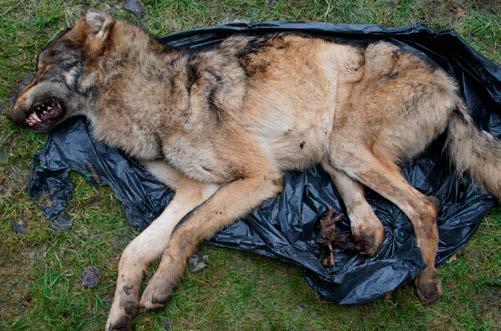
221 125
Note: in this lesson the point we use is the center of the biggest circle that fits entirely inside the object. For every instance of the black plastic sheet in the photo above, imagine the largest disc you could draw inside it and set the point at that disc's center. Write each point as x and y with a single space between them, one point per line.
285 227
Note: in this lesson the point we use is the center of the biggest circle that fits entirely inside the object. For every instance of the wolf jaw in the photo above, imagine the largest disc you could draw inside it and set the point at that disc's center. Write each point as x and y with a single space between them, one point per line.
45 115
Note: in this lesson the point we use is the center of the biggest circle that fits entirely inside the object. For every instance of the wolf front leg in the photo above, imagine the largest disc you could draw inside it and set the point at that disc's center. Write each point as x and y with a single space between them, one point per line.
230 202
150 244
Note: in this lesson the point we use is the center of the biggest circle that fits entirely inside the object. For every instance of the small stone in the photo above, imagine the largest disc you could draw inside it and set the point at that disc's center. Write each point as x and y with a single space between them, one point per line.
25 301
19 226
167 324
270 3
62 223
135 7
198 261
90 277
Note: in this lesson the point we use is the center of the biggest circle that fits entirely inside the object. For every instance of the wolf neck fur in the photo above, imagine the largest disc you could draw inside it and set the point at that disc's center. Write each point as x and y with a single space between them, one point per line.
137 65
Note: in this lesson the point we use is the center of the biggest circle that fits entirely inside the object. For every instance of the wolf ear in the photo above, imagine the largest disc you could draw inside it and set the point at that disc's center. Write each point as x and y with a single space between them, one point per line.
99 25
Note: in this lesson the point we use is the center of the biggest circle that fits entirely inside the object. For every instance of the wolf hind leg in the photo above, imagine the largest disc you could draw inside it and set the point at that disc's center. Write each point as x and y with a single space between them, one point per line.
384 177
367 229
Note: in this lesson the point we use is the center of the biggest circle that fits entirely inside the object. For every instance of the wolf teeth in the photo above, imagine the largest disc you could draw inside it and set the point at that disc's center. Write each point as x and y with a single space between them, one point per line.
35 117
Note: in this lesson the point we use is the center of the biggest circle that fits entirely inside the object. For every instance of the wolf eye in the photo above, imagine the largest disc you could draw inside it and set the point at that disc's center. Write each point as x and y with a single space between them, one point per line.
53 52
71 76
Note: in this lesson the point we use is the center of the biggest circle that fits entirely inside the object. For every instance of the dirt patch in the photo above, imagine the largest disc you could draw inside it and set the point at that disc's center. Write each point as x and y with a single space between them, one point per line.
491 303
16 275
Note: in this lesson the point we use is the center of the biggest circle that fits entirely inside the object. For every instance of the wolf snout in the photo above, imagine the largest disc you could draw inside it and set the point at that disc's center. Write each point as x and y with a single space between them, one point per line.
18 112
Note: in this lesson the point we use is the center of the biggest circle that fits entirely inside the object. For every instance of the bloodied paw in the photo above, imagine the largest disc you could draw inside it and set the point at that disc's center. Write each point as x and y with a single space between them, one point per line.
428 288
329 260
367 236
326 236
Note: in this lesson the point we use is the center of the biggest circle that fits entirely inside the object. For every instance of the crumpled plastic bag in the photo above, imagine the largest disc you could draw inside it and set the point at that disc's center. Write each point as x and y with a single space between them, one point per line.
285 227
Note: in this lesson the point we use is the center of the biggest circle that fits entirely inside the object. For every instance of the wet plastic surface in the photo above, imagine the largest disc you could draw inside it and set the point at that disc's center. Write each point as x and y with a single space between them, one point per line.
285 227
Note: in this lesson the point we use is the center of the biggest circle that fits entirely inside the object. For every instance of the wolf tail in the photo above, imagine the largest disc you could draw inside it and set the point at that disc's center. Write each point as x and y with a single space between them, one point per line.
475 151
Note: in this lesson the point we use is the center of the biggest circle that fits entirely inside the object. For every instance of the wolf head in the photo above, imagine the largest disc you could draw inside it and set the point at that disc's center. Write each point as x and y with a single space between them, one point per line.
67 72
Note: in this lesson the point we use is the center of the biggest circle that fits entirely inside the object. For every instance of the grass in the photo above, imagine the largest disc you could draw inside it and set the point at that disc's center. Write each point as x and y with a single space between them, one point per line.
40 271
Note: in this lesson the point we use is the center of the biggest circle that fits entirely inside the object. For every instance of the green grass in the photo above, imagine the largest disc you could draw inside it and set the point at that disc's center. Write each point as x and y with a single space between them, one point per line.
40 271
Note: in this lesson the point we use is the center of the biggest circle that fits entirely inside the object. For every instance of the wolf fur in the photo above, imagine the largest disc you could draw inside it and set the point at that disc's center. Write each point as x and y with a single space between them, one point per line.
221 125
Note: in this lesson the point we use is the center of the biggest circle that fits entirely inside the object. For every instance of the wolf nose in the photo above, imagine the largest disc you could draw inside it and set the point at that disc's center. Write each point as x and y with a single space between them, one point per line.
11 115
10 112
16 115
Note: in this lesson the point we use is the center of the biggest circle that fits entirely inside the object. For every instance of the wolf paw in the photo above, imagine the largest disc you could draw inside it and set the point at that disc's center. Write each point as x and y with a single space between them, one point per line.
429 289
156 294
122 317
122 324
368 237
367 229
